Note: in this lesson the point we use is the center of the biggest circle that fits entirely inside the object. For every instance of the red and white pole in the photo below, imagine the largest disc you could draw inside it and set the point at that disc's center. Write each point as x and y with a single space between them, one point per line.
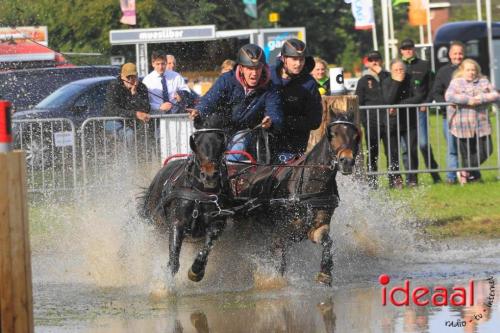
5 127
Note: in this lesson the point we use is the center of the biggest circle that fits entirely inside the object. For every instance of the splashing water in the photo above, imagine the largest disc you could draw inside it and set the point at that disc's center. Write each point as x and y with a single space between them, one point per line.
101 241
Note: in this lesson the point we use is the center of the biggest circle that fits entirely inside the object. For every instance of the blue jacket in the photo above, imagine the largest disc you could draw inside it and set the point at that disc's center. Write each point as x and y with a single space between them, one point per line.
239 111
302 108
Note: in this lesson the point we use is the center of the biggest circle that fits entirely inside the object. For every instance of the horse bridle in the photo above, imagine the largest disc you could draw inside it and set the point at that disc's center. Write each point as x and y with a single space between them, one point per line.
337 152
221 162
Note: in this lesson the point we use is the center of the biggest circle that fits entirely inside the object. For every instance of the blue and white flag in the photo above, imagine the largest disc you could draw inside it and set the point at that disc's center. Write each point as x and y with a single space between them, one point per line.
362 10
251 8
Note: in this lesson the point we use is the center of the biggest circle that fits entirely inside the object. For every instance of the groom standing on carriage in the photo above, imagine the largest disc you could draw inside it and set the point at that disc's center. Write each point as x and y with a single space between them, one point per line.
302 108
244 98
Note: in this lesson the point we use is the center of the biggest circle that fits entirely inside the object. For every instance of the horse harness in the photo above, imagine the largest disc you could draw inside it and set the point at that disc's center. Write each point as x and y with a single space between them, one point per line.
327 200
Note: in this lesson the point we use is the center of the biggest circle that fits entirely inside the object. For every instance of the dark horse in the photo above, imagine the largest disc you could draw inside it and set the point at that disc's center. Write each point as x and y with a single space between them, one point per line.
303 195
186 196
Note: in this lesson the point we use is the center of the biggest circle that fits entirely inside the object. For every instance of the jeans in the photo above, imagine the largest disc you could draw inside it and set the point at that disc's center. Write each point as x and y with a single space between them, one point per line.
118 127
451 152
240 141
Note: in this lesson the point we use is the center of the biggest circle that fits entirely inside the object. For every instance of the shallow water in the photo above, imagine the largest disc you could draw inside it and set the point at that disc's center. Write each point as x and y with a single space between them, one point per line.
104 270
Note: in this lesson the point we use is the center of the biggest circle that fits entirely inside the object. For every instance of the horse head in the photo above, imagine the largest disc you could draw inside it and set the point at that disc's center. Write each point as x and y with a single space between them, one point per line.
208 144
344 138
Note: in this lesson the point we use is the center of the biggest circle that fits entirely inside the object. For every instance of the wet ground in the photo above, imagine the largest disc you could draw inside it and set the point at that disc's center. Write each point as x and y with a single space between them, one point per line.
103 270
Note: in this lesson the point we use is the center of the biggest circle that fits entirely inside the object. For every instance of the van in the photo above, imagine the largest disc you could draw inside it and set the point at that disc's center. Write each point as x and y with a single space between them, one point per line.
474 36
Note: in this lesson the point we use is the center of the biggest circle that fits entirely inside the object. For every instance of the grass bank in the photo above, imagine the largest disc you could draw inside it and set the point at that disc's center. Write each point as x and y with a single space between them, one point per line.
466 211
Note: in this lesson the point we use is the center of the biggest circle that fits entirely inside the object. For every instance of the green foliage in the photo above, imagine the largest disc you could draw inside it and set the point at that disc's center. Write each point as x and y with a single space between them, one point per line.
83 26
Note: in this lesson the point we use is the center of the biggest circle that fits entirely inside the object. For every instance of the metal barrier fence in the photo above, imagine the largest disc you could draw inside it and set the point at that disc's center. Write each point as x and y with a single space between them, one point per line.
406 129
114 147
99 153
104 150
50 153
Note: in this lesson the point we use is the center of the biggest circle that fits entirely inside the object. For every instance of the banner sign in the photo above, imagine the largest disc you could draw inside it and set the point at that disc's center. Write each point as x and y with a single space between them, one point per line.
273 39
128 10
362 10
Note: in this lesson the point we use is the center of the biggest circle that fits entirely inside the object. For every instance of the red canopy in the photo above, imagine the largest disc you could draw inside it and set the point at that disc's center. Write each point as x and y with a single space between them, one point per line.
26 54
11 51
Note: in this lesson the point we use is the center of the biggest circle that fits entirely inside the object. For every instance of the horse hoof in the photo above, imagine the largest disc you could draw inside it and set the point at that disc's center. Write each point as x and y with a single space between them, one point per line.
195 277
325 279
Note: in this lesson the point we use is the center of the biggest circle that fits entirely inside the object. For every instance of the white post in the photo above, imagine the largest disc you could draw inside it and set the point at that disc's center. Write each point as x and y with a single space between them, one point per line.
394 50
491 53
421 33
429 35
386 33
374 36
479 14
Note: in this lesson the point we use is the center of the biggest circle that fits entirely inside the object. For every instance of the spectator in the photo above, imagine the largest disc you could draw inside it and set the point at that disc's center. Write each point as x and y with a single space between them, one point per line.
163 86
468 120
443 79
419 74
171 62
227 66
375 121
244 97
396 90
302 108
320 74
126 97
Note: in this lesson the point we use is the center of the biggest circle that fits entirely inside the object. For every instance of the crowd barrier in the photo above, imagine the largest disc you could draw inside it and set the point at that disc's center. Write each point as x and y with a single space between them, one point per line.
61 157
51 153
414 140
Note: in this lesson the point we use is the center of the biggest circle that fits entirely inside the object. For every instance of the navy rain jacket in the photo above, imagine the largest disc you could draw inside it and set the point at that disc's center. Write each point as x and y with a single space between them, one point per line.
239 111
302 108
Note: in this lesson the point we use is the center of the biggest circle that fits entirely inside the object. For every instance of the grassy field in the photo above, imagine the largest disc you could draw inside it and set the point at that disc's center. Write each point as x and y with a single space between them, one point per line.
466 211
472 210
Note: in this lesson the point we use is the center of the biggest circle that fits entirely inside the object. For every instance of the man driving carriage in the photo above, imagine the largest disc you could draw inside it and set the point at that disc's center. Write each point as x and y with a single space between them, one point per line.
245 99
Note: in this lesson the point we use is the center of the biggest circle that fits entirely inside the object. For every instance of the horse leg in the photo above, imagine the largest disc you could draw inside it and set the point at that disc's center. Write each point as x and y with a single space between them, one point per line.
279 250
325 274
197 270
176 235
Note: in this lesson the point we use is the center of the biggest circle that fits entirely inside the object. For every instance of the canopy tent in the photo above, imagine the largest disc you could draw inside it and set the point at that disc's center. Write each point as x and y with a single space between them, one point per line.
26 54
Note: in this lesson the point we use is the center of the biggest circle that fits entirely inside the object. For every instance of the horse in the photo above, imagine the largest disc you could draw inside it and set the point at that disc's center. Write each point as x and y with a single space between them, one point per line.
303 194
185 196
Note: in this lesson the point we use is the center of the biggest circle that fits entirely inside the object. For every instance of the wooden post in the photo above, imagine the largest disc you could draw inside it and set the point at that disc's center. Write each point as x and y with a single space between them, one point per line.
16 299
347 104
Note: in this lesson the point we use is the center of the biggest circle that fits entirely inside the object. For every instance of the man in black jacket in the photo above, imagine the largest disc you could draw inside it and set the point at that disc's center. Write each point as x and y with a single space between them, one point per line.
443 79
396 90
420 76
302 108
126 97
369 92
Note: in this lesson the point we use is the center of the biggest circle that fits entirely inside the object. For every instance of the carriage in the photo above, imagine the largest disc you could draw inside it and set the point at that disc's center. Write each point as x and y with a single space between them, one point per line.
193 197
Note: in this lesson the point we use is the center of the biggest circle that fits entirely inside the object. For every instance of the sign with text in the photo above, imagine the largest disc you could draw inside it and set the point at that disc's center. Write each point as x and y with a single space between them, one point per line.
162 35
272 40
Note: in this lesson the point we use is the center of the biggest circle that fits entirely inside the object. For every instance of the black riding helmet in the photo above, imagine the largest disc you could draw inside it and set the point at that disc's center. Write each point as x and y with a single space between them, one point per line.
251 55
293 48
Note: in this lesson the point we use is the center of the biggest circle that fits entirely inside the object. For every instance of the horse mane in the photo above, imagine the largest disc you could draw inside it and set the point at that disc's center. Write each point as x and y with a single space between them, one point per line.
211 121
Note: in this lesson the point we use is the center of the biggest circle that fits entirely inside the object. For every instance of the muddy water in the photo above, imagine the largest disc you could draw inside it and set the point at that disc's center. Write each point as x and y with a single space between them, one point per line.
104 270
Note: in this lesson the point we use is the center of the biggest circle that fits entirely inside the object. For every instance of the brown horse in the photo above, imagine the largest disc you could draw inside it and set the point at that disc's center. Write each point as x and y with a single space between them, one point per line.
302 195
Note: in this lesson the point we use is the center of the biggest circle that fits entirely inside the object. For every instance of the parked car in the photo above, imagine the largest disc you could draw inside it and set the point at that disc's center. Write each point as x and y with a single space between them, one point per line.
75 101
26 88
